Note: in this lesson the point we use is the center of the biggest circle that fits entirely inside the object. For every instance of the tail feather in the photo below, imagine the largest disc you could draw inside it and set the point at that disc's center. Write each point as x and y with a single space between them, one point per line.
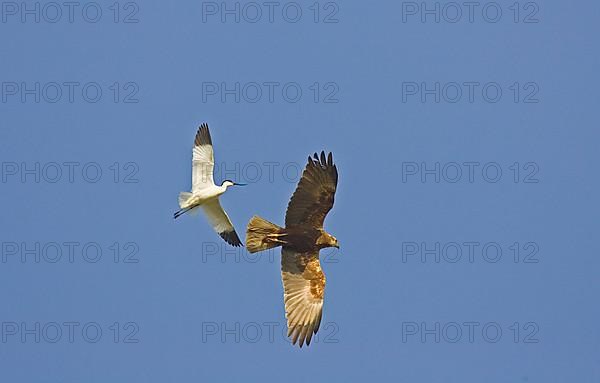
183 198
262 235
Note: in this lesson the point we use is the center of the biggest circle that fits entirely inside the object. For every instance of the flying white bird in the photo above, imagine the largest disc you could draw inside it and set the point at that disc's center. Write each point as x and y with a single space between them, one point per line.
205 193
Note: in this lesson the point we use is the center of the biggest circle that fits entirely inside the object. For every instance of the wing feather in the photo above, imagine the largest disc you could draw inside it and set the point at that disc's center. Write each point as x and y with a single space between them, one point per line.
203 161
315 193
303 290
220 221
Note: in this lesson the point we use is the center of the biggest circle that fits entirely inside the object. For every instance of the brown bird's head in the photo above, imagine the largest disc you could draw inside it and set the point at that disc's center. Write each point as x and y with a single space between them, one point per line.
327 240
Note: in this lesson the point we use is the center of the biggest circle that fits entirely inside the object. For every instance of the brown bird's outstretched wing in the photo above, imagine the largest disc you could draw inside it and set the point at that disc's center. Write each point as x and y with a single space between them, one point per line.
303 289
314 195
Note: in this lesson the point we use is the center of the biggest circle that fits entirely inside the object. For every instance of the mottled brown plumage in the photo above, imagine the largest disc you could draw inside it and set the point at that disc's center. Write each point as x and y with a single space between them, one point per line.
301 240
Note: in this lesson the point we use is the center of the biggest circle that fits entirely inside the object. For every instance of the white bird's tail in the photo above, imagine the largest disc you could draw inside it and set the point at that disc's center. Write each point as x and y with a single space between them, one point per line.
183 198
262 235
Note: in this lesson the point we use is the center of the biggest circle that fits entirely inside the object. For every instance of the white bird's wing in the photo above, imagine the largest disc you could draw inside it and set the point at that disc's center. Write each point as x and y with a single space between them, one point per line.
203 160
303 290
220 222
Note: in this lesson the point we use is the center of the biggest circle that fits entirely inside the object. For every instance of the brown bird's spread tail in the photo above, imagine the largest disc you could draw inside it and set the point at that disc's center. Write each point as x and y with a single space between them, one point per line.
262 235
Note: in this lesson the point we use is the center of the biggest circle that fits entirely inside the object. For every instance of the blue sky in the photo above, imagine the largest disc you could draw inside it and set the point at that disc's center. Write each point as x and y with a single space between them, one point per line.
465 209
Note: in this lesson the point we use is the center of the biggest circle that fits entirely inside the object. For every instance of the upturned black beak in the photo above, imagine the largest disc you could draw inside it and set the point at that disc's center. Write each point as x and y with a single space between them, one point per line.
236 184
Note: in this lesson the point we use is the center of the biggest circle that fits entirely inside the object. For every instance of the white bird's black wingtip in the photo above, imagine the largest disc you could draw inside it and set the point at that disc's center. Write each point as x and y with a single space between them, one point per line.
203 136
231 238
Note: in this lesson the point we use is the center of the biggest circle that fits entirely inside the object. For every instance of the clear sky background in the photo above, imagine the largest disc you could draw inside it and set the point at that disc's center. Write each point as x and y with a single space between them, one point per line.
193 309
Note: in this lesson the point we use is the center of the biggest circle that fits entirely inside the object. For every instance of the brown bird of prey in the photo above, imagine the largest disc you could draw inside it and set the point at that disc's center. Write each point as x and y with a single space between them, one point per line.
301 240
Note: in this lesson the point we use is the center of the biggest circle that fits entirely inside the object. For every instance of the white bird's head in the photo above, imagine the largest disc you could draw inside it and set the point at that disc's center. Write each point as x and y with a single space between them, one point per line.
228 183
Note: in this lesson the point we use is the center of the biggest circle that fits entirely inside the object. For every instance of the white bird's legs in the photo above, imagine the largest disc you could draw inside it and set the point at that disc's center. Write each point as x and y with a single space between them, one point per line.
189 201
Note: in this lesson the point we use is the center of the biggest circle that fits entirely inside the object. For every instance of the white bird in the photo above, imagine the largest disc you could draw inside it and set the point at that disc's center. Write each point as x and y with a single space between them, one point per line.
205 193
